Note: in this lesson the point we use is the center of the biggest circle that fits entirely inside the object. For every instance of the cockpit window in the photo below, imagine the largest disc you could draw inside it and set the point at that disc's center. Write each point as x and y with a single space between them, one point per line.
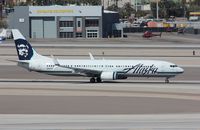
173 66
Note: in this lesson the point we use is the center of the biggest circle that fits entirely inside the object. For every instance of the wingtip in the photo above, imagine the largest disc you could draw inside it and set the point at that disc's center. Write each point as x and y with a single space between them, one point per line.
55 61
91 56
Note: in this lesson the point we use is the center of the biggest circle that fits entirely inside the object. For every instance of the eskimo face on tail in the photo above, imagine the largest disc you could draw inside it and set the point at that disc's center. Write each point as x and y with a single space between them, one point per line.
24 50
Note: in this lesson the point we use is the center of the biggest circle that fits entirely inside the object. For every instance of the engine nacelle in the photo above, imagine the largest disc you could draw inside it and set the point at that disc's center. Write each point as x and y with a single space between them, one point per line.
111 76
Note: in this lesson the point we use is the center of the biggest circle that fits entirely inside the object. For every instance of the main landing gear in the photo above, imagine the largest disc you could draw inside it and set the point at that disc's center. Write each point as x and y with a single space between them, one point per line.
167 80
93 80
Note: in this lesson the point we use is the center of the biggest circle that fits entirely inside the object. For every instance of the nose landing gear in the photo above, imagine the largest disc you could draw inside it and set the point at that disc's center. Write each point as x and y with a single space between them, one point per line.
167 80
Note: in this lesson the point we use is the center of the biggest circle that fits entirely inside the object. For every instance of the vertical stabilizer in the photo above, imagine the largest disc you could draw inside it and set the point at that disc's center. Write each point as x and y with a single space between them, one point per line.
23 47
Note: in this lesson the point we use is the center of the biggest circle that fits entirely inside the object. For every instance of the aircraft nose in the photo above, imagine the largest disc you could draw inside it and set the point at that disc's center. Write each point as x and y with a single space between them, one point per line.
180 70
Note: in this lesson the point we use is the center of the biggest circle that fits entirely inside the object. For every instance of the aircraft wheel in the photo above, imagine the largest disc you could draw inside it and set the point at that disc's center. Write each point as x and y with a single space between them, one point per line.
167 80
92 80
98 80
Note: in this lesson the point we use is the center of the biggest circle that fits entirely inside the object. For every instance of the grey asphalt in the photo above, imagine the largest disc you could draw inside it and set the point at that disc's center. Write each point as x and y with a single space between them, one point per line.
23 92
95 105
12 103
100 122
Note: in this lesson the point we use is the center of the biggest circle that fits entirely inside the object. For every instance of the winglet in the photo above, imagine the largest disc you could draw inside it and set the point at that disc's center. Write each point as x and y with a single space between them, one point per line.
55 61
3 33
91 56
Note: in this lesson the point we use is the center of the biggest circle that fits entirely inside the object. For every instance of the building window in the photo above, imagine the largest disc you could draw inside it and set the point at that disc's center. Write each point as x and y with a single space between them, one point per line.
70 34
66 34
79 23
79 35
62 34
92 31
66 24
91 22
92 34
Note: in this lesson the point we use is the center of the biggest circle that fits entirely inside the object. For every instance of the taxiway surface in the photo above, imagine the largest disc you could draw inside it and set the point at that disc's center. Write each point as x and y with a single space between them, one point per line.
23 92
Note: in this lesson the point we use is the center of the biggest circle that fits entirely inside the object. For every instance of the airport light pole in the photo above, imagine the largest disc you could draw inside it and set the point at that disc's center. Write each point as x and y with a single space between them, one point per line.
1 9
136 6
157 10
102 3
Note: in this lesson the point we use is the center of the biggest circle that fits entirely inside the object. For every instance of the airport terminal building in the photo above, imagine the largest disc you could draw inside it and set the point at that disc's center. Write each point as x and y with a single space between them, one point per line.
60 21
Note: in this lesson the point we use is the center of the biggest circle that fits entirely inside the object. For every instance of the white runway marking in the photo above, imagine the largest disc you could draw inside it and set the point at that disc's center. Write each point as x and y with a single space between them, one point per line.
100 122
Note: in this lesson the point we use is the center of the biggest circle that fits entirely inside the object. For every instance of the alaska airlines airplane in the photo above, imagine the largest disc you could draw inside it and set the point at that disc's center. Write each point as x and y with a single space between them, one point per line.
3 35
97 70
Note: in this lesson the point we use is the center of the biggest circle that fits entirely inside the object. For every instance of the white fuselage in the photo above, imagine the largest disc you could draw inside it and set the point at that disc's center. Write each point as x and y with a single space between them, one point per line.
128 68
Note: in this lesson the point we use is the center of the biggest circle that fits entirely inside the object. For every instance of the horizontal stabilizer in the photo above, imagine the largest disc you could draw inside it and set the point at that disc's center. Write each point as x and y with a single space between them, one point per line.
18 61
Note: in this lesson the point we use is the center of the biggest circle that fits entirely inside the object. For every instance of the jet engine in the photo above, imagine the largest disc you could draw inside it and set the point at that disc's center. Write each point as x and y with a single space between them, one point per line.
111 76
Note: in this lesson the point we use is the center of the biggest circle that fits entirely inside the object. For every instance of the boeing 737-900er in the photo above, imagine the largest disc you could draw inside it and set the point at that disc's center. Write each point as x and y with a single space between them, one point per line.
97 70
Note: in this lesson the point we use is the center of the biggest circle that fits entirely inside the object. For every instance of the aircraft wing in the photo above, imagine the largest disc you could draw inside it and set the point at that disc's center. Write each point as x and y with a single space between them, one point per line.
83 71
87 72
